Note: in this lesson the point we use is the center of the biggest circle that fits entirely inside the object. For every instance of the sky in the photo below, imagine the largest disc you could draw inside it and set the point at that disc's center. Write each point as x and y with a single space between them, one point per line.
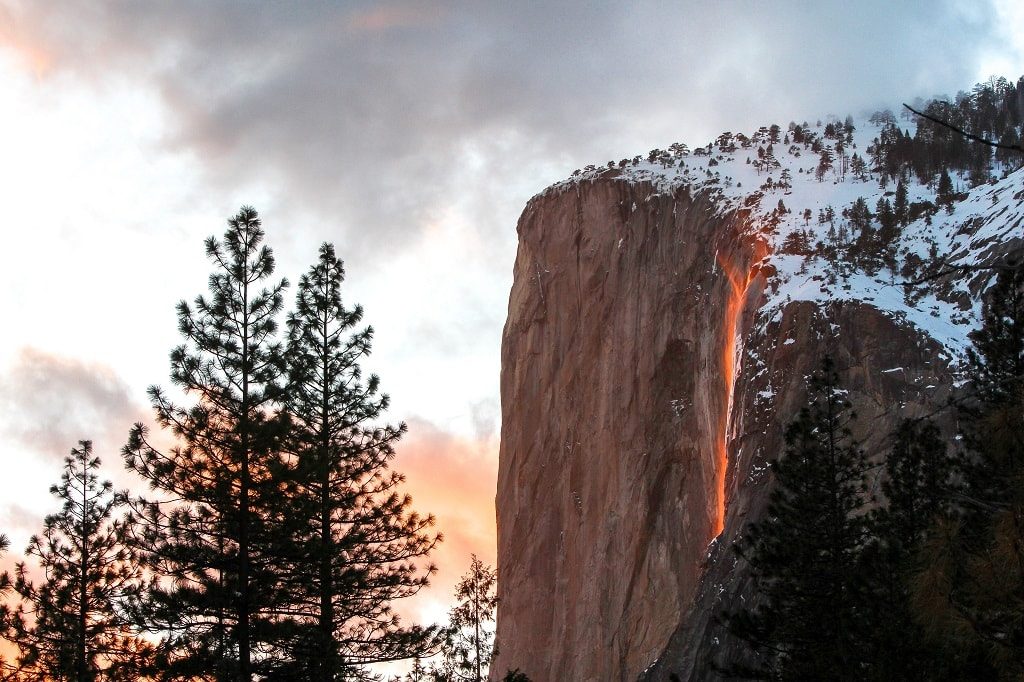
411 135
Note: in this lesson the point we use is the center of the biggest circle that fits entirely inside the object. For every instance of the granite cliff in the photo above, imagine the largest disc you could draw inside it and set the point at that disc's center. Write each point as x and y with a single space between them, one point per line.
662 323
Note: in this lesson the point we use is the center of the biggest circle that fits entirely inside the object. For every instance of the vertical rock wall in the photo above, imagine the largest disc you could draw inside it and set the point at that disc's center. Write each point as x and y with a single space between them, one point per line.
613 402
612 399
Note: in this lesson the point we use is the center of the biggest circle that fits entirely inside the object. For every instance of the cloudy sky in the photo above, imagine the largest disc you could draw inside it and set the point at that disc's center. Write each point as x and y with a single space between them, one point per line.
410 135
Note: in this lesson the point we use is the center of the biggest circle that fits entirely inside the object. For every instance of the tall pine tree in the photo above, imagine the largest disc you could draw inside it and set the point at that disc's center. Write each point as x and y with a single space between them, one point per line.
917 486
214 534
901 205
970 591
917 490
944 192
804 554
359 544
75 623
470 641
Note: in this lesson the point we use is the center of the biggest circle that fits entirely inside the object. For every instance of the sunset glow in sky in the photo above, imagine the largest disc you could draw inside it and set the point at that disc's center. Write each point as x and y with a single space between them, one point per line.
409 134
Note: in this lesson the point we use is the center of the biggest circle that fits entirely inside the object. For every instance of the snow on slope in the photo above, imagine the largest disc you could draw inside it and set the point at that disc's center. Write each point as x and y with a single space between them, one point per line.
980 224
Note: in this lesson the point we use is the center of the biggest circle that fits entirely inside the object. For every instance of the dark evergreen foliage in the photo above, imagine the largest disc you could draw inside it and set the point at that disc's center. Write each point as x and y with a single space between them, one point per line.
357 544
997 359
75 623
991 110
797 242
860 219
969 591
515 676
5 587
835 582
944 195
469 643
825 162
917 491
901 205
213 537
804 555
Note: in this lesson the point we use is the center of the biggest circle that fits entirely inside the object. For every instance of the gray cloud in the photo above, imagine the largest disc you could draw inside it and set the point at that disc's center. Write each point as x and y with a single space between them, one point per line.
49 403
369 122
374 116
19 519
485 414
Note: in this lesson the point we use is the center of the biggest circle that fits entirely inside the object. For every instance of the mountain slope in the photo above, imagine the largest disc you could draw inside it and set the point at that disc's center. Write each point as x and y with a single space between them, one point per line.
664 315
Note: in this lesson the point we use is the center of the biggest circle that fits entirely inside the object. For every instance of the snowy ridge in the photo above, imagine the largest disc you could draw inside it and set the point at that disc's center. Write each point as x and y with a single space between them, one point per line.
802 212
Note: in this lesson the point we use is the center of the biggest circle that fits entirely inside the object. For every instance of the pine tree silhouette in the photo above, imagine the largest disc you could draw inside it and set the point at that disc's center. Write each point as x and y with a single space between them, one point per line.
75 623
970 590
470 642
211 533
358 540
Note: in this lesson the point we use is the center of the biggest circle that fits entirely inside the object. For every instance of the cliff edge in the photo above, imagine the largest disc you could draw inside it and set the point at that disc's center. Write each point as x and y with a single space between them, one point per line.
662 324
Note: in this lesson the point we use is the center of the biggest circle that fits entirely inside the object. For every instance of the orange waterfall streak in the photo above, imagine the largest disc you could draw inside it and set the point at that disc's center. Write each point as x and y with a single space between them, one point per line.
738 287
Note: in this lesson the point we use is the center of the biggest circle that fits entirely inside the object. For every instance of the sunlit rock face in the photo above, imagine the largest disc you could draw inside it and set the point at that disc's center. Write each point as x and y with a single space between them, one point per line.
613 408
659 338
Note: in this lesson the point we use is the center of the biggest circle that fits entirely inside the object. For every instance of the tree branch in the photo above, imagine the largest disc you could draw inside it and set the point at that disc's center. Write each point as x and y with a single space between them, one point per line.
969 136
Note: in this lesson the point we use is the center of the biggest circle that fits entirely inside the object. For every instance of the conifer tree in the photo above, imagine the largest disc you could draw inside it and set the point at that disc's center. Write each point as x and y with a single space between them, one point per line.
418 672
74 625
469 645
887 220
901 205
944 193
210 535
997 356
804 554
1009 158
858 167
992 423
824 164
917 486
970 591
518 676
359 542
917 490
5 586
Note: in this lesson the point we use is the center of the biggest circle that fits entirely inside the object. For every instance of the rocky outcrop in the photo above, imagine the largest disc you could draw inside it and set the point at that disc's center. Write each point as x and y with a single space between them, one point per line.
890 370
645 384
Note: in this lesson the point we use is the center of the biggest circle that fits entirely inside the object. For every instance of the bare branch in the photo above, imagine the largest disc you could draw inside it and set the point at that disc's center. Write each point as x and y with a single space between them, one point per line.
969 136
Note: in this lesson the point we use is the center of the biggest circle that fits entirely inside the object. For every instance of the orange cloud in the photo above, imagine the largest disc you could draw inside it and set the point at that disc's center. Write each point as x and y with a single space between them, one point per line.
453 478
385 17
49 402
32 56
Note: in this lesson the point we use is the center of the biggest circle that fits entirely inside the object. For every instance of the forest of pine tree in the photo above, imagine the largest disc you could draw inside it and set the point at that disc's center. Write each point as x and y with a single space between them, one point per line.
274 538
921 580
